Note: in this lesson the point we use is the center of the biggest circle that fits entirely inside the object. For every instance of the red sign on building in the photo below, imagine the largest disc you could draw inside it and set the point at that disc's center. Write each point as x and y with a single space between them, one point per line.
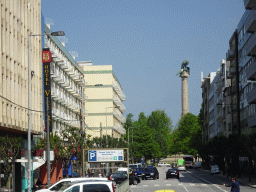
46 56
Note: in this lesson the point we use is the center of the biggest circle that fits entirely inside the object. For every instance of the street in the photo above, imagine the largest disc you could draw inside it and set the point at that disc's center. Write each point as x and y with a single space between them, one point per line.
191 180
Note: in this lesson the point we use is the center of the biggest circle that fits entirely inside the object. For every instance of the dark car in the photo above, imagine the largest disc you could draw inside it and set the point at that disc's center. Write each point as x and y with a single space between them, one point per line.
151 173
117 178
133 179
172 173
140 172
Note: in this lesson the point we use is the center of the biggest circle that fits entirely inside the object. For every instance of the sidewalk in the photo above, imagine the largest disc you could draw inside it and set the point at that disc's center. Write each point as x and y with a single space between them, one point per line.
243 180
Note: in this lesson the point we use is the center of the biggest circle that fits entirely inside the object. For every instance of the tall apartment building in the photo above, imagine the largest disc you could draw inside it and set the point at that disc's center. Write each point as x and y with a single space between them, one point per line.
18 20
67 86
247 68
104 105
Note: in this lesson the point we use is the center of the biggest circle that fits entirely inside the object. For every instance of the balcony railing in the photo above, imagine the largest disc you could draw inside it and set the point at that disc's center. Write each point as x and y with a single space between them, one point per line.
250 4
251 96
250 46
251 71
230 55
250 22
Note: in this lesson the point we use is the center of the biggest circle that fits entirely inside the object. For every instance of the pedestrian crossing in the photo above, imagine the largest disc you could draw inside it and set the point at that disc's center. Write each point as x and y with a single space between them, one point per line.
180 184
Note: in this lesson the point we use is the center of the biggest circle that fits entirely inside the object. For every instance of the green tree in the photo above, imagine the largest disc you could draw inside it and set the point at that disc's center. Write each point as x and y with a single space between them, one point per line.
144 142
188 131
128 124
9 151
162 126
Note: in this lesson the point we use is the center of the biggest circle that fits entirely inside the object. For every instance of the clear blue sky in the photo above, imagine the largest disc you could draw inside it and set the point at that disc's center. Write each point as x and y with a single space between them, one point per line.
146 42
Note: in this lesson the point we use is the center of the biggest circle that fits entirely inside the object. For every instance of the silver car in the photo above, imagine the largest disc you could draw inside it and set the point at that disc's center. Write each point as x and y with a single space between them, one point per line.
182 168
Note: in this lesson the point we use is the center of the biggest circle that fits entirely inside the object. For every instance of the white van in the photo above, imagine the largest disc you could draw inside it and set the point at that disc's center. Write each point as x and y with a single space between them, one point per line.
88 186
56 186
134 166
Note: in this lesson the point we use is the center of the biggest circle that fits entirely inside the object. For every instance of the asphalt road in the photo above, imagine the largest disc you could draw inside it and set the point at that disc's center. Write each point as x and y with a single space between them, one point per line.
190 181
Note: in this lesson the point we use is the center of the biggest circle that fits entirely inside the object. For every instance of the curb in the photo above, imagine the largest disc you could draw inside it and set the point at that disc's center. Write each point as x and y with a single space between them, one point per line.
238 179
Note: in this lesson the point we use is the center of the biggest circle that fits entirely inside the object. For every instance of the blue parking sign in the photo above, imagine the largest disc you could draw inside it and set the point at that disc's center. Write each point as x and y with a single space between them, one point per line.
92 156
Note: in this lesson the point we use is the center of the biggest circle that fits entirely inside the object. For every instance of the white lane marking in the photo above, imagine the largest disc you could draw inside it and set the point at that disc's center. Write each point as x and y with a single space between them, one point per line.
204 184
168 184
185 188
145 185
180 184
209 182
156 185
192 184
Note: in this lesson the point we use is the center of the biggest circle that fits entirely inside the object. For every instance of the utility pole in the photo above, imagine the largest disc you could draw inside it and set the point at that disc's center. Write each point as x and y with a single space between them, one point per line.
100 135
82 147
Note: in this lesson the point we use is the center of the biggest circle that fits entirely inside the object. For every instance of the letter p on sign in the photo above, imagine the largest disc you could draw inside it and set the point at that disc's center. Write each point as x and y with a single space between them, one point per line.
92 156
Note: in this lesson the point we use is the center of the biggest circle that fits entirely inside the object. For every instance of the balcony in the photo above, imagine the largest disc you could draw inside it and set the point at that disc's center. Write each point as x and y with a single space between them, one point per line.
250 46
230 55
251 96
252 121
233 90
251 71
231 72
250 22
250 4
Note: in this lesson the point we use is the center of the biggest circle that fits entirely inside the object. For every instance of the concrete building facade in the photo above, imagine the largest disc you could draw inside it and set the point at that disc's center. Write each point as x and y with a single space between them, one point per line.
20 19
67 86
104 104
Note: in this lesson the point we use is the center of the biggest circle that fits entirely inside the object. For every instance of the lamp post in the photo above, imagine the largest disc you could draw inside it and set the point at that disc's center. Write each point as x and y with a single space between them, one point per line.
107 132
129 137
58 33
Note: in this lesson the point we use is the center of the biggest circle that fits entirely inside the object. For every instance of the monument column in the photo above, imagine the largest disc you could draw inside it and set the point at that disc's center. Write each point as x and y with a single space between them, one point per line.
184 92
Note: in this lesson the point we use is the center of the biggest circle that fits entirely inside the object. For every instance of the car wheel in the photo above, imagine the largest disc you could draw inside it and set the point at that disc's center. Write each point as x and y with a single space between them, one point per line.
166 177
135 182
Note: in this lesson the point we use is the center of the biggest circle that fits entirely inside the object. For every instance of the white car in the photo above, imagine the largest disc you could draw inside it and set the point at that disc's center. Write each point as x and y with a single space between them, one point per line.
56 186
88 186
182 168
215 169
163 164
198 164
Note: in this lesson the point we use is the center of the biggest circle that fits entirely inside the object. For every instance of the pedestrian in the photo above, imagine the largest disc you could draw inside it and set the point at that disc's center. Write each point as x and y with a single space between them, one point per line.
234 186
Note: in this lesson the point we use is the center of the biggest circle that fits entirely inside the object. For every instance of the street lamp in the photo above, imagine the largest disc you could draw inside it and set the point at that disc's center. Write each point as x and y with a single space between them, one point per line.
129 138
58 33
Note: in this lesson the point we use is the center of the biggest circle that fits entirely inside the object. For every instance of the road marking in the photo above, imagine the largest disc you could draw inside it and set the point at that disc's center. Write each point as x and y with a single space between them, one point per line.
168 184
145 185
156 185
204 184
185 188
180 184
209 182
192 184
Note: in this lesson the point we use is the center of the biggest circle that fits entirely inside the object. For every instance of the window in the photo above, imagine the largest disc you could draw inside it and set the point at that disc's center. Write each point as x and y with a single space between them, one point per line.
95 188
74 189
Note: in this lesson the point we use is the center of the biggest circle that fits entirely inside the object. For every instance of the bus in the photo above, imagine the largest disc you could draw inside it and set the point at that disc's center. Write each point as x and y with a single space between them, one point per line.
188 160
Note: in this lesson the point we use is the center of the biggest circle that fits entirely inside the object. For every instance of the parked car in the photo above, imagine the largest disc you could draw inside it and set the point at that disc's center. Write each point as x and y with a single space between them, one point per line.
170 173
56 186
140 172
134 166
197 164
151 173
163 164
134 179
182 168
88 186
215 169
117 178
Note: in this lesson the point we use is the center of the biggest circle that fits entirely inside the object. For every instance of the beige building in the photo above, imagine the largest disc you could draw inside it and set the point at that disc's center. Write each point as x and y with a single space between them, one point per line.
104 104
67 86
18 20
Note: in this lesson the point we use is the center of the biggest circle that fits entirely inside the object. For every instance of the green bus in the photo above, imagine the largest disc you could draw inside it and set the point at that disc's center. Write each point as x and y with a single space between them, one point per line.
181 162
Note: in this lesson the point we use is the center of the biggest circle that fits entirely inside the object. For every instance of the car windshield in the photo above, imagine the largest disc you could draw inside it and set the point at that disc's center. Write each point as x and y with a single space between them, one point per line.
63 187
59 185
139 169
215 166
181 165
